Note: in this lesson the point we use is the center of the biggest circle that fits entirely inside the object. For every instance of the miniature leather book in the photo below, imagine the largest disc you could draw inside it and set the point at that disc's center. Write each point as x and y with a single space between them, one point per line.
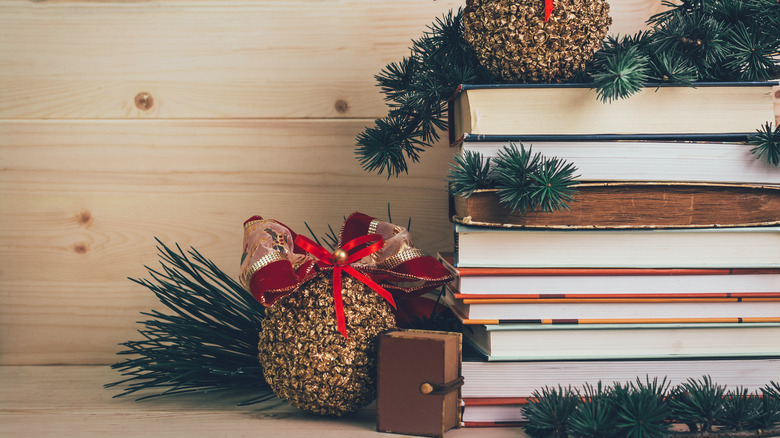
418 382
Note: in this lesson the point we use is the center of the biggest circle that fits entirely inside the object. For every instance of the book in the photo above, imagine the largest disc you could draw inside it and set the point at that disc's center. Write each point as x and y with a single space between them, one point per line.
681 161
620 310
491 382
664 110
528 342
493 412
418 382
478 283
634 205
740 247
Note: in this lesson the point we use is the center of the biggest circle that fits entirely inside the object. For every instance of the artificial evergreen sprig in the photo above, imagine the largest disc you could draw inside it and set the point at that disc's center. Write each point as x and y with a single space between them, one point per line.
548 411
415 90
647 409
767 144
208 342
523 180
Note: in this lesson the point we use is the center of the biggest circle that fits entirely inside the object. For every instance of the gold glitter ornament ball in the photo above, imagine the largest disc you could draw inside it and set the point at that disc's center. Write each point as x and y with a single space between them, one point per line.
512 40
308 362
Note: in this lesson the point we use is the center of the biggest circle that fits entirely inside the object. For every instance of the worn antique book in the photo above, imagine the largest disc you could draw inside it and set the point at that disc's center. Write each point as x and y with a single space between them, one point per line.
712 109
492 282
418 382
670 161
513 342
634 205
742 247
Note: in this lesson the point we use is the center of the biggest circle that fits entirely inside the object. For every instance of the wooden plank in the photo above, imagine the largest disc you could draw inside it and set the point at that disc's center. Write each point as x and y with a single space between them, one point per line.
81 201
212 59
71 402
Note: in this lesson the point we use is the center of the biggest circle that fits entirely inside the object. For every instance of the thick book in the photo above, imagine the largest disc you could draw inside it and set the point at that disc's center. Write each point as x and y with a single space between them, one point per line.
606 282
739 247
612 308
418 382
515 342
509 383
682 161
634 205
709 109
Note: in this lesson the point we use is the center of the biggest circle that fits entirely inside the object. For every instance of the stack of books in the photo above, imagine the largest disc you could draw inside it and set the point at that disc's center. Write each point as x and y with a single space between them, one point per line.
666 265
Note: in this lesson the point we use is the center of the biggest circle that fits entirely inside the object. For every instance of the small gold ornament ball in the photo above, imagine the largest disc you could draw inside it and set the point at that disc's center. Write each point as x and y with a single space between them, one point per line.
512 40
340 256
308 362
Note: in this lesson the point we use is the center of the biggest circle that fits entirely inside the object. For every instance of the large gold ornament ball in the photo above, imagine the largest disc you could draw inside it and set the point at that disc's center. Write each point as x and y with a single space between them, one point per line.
512 40
308 362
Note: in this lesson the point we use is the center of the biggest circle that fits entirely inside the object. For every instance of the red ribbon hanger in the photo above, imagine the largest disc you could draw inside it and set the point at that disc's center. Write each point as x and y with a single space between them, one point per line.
340 260
548 7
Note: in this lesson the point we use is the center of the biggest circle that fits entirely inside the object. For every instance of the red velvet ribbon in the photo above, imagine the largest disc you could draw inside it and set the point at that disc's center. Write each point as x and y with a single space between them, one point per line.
328 259
548 7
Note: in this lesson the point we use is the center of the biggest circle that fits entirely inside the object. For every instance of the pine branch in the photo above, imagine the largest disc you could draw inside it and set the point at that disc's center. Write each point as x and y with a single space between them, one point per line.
209 341
767 144
620 69
470 172
416 89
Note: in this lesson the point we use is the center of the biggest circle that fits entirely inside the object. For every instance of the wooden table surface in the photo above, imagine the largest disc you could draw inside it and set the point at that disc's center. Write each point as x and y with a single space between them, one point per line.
64 401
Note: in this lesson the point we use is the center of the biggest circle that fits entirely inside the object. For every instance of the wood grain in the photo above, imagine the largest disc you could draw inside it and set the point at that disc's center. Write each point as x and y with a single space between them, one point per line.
214 59
82 202
61 401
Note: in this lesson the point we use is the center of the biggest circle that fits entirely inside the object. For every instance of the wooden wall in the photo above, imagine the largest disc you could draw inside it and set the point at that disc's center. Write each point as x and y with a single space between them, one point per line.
125 120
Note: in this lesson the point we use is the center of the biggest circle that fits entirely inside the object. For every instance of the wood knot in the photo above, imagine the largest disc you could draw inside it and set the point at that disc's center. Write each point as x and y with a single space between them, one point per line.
81 248
84 218
341 106
144 101
777 94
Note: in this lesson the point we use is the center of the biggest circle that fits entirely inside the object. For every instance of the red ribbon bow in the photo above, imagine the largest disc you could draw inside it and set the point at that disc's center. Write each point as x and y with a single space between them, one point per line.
340 260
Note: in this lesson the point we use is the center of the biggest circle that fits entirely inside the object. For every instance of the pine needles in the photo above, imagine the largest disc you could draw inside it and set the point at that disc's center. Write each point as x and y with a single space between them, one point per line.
524 180
209 340
646 409
767 144
415 89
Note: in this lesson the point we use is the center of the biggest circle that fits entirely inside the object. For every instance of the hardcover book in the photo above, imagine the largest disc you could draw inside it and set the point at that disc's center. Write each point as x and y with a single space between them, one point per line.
626 160
709 109
492 282
494 383
742 247
634 205
516 342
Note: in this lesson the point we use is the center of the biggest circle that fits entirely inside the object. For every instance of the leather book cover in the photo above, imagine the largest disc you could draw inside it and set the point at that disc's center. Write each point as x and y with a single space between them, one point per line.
418 382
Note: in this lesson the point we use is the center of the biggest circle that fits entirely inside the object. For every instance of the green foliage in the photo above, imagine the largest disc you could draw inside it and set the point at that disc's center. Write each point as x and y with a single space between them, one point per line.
621 69
595 416
415 90
548 412
769 412
524 180
698 402
641 410
740 409
646 409
470 172
209 340
767 144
